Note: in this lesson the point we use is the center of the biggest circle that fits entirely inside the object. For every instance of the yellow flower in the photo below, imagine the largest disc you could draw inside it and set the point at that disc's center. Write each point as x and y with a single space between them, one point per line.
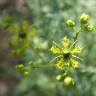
22 33
66 54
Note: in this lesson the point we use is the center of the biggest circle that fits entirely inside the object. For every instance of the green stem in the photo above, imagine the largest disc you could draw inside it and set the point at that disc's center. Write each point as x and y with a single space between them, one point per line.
77 31
42 66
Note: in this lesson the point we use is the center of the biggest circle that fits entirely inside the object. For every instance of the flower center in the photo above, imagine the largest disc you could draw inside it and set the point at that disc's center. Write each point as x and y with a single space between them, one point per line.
66 55
22 35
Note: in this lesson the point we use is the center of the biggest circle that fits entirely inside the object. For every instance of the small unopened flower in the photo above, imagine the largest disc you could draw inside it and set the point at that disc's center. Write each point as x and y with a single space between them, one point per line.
68 81
84 18
70 23
90 28
26 73
59 77
20 68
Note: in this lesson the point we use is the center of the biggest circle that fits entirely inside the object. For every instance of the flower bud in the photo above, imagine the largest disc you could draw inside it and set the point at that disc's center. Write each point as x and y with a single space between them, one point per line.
84 18
59 77
19 67
68 81
26 73
70 23
90 28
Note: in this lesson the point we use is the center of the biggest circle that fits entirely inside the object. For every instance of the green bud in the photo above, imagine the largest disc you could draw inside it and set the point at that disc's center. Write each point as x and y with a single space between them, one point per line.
59 77
90 28
84 18
70 23
68 81
19 67
26 73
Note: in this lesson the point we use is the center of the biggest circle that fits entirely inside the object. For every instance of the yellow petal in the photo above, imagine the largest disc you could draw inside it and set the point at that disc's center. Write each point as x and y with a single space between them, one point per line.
60 64
65 42
15 28
55 49
74 63
77 49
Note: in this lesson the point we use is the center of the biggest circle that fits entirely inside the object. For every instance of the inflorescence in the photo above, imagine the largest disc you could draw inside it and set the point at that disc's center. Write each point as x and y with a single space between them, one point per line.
67 52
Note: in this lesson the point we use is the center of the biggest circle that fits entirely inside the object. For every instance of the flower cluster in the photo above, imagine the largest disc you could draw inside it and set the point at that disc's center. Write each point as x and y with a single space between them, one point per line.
67 55
68 52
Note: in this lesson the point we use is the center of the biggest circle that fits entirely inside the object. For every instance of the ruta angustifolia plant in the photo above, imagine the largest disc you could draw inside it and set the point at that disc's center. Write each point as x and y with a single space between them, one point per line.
67 52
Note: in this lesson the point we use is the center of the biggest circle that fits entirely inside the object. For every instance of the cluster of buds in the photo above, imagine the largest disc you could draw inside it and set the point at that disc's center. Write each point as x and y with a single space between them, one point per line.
23 70
84 20
68 80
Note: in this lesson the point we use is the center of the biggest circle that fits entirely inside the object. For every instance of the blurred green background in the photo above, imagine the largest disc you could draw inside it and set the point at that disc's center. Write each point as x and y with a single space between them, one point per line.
49 17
